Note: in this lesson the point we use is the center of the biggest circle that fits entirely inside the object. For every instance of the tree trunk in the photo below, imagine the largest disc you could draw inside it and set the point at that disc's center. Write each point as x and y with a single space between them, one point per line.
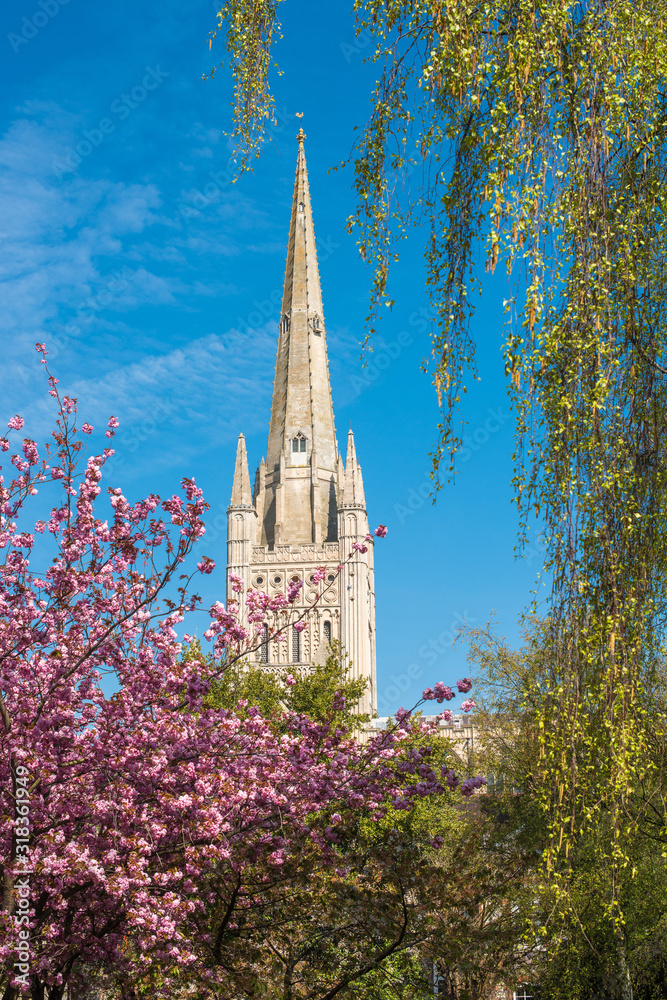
623 969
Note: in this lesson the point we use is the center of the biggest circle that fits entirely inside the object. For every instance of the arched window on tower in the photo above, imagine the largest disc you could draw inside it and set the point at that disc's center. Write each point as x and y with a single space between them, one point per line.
264 648
298 443
296 646
327 632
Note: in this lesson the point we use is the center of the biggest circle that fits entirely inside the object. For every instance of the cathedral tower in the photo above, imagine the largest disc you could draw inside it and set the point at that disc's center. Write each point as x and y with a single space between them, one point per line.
307 508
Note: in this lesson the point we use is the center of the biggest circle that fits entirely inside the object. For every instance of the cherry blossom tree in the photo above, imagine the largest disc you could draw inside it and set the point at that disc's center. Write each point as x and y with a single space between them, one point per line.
139 832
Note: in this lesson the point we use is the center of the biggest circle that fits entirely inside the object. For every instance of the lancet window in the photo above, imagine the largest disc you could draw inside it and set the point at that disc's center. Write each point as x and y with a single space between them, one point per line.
298 443
264 648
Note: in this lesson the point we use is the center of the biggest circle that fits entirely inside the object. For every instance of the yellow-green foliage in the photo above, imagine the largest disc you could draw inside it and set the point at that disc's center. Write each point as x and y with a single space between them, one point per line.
533 133
311 692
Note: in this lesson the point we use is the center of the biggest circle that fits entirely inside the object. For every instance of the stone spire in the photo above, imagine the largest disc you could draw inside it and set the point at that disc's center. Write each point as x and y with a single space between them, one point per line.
353 486
301 392
241 494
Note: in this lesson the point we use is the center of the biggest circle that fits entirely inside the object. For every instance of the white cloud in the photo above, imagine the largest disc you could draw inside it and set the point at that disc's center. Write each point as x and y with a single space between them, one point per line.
58 239
82 257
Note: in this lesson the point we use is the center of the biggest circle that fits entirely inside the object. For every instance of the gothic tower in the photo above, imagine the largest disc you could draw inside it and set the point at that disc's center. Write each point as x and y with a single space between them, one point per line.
307 508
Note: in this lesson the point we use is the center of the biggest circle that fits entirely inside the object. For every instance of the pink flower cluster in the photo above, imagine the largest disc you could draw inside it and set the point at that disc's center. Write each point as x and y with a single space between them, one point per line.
293 590
156 797
440 692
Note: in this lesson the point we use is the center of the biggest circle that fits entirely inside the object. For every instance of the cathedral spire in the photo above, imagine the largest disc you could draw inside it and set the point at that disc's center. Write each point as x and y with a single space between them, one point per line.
302 408
241 495
307 509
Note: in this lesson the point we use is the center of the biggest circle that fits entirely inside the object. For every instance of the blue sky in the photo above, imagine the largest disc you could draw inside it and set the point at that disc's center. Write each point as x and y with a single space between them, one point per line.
154 283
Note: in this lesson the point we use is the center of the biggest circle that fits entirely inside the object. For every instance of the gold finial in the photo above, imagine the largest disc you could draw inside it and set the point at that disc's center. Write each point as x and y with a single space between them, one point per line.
301 135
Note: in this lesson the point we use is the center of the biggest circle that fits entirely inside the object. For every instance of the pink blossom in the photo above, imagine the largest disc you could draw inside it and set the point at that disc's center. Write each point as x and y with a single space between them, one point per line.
300 626
154 773
86 428
319 574
4 444
442 692
206 565
467 705
464 685
446 715
30 452
358 547
16 423
381 531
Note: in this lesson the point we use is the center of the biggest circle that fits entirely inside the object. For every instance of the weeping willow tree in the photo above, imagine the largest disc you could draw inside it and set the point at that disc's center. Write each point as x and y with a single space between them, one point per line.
530 134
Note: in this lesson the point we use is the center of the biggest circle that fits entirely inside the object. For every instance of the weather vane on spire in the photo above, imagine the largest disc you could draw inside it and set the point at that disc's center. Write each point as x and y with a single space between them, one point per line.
301 135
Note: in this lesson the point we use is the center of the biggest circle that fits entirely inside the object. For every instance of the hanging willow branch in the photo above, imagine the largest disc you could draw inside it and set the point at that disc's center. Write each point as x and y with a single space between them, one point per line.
537 130
251 29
